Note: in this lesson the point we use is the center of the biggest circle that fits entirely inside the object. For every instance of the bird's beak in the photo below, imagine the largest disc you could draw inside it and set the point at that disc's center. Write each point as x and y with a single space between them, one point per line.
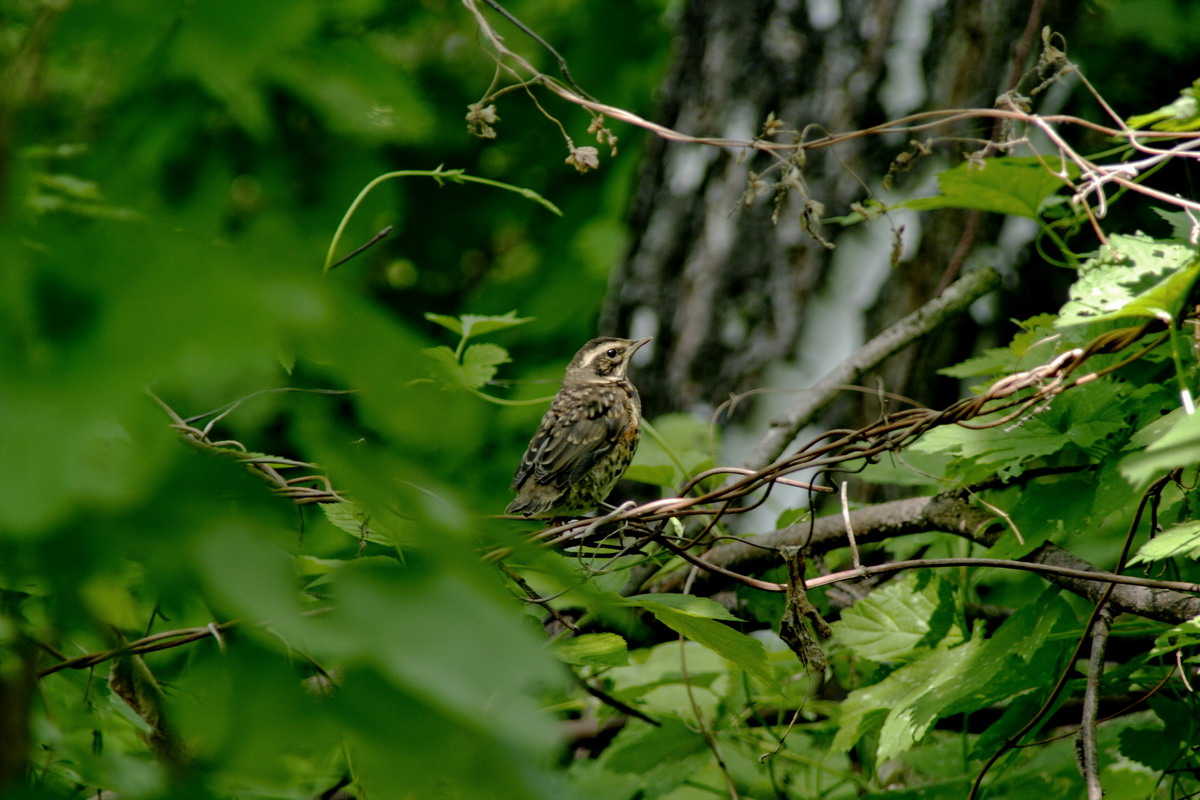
637 343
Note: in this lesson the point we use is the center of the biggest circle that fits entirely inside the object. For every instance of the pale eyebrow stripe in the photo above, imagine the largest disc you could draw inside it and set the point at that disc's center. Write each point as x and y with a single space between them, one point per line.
590 357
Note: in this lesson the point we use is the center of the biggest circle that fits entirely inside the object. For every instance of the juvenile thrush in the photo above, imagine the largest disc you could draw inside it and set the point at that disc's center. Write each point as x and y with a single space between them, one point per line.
587 437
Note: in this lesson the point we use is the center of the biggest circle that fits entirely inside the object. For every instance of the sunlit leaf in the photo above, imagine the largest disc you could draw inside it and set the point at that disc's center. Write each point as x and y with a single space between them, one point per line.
1134 276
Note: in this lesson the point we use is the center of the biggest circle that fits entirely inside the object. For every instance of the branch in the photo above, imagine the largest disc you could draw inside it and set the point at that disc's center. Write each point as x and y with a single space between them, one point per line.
947 513
1166 601
267 468
148 644
1089 757
954 301
1162 604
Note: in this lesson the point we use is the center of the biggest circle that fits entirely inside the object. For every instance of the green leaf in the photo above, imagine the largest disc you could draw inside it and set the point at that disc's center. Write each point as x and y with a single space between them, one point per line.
1181 224
311 565
644 748
955 679
450 323
475 325
747 653
911 468
1186 634
1176 446
1009 185
677 447
1182 540
1181 115
603 649
994 361
469 325
1135 276
1002 449
688 604
480 361
891 624
663 476
354 520
478 364
890 704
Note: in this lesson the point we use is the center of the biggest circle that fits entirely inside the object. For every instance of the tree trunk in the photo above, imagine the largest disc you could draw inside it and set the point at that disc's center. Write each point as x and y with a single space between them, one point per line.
725 291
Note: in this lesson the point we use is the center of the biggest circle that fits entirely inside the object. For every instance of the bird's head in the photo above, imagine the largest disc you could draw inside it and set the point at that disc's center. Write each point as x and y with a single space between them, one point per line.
603 359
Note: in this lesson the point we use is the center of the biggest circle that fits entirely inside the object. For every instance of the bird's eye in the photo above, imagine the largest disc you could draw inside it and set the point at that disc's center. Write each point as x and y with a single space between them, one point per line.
611 352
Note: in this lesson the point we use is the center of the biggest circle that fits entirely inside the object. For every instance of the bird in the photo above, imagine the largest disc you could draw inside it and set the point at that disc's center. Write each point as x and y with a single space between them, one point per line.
587 437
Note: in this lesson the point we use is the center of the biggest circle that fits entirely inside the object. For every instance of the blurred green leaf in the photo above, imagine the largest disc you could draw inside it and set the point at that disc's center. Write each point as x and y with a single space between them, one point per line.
476 325
602 649
480 361
645 747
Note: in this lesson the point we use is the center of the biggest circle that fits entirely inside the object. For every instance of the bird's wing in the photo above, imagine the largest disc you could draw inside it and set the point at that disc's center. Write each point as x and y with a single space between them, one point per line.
572 437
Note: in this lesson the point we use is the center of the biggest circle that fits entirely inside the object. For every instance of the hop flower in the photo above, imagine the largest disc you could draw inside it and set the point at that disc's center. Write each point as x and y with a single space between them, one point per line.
584 158
480 120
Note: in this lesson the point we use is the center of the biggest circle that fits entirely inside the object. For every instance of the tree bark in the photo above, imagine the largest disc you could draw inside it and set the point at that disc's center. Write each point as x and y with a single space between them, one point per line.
727 293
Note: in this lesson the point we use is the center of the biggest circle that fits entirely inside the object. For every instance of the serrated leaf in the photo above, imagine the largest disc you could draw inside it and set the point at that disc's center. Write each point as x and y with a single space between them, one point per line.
1148 746
1180 541
354 520
912 468
950 680
688 604
1181 224
480 361
890 704
1145 278
890 624
1015 186
745 652
1003 448
603 649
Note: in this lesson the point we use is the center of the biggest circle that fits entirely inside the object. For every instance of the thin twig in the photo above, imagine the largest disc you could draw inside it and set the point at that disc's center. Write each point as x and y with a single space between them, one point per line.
854 559
362 247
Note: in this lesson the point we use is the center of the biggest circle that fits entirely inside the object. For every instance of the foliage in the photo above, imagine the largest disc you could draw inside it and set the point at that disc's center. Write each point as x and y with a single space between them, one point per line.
181 621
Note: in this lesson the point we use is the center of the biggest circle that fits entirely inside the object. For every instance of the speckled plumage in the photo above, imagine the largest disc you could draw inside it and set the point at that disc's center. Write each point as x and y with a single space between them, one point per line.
587 437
